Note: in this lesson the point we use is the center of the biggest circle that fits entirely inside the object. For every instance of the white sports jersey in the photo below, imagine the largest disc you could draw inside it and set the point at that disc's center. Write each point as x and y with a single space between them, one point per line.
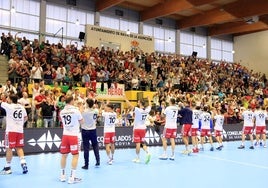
171 113
260 117
16 114
70 116
205 120
196 118
109 122
90 119
219 120
140 117
248 118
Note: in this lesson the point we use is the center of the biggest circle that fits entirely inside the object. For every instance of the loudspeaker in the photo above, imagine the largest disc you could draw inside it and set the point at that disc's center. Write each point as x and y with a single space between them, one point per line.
71 2
194 54
81 36
159 21
119 13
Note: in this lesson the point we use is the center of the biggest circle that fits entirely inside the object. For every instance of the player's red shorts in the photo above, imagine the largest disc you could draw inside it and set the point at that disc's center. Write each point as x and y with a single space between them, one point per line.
139 135
217 133
13 140
205 132
109 138
260 130
69 144
194 131
247 130
170 133
186 130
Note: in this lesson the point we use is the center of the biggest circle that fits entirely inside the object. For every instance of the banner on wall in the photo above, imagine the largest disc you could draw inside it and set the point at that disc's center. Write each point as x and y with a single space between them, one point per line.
42 140
97 36
114 91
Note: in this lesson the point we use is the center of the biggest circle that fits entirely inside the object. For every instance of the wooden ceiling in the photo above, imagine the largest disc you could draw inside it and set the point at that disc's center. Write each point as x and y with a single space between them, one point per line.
220 17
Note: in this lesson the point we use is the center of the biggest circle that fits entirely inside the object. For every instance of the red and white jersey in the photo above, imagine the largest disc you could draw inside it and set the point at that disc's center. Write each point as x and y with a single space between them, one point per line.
219 120
15 117
109 122
70 117
140 117
247 116
171 113
205 120
90 119
260 117
196 118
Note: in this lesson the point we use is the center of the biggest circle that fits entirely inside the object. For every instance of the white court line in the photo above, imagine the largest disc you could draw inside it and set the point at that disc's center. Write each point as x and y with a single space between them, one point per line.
236 162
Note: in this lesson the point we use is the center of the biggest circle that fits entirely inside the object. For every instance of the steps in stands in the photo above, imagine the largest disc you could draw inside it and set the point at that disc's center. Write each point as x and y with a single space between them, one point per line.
3 69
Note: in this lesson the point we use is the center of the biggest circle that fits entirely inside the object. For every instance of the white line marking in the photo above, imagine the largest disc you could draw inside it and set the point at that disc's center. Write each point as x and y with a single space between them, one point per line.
236 162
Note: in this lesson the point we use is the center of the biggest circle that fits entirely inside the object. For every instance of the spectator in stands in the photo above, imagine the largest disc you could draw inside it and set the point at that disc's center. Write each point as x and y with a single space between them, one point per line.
3 98
47 109
77 73
37 72
26 103
13 73
21 87
38 100
48 74
3 44
9 88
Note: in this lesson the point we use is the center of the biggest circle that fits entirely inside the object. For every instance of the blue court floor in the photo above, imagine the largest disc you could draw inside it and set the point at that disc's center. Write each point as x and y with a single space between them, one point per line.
230 167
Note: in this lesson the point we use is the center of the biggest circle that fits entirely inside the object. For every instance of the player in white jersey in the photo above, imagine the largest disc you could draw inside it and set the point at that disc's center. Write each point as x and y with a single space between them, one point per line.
139 129
16 116
260 117
219 120
109 131
195 126
206 127
89 132
170 129
248 127
71 119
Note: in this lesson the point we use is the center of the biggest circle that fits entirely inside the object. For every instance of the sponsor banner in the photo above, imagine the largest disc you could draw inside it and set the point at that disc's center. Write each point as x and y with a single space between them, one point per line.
42 140
114 91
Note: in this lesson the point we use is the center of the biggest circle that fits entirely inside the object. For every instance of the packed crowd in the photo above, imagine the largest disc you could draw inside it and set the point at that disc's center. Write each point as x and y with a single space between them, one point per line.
229 85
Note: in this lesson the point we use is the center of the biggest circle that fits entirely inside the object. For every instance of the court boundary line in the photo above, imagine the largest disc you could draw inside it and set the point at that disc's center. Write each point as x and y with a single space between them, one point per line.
236 162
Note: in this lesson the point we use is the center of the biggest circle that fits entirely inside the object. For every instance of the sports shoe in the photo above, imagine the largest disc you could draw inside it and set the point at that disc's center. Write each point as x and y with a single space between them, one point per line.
97 164
256 143
172 157
241 147
136 160
62 178
110 162
260 143
163 157
24 168
186 152
212 149
264 145
148 158
219 148
6 171
201 149
85 167
74 180
251 147
195 150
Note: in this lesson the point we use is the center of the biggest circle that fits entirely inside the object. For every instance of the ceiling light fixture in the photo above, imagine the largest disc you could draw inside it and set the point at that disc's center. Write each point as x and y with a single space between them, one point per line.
128 32
77 22
13 10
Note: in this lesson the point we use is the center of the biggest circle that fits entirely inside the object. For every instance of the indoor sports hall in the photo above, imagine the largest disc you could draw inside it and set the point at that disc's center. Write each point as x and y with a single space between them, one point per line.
229 167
